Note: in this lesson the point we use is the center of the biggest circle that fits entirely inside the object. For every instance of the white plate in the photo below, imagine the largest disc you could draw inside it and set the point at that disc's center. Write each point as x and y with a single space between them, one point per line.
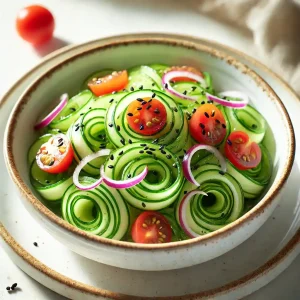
234 275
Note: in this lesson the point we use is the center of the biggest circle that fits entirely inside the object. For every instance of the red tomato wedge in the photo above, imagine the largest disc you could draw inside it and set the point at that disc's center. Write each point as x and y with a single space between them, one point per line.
114 82
207 125
146 116
35 24
184 68
242 153
56 155
151 227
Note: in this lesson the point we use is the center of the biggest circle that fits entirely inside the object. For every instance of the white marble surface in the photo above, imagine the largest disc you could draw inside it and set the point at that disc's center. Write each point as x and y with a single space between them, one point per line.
82 20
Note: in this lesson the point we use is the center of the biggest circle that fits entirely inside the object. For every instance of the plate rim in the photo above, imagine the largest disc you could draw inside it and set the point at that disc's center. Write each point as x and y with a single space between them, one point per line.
85 288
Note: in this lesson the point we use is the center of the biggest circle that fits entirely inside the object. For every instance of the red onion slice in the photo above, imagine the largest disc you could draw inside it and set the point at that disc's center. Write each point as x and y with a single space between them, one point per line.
83 162
186 163
167 77
123 184
234 94
63 100
182 212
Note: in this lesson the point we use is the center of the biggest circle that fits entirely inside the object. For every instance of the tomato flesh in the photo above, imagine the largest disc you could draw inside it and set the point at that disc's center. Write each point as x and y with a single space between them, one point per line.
35 24
56 155
114 82
242 153
146 116
208 125
184 68
151 227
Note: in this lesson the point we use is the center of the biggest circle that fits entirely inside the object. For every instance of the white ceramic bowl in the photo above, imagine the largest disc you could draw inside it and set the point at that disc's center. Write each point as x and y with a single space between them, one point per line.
73 66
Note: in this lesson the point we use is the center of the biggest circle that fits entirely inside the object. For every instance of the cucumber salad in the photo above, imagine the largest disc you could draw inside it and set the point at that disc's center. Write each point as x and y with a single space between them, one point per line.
152 154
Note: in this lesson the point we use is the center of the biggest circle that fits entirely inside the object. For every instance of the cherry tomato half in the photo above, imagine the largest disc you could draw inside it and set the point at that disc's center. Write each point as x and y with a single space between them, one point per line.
242 153
56 155
184 68
151 227
35 24
108 84
146 116
208 125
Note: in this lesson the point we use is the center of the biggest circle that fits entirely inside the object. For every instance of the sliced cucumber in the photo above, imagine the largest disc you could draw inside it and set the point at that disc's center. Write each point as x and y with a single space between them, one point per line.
101 211
223 205
34 148
159 68
76 105
130 160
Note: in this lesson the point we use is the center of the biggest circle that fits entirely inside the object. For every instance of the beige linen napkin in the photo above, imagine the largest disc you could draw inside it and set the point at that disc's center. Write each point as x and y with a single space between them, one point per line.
274 26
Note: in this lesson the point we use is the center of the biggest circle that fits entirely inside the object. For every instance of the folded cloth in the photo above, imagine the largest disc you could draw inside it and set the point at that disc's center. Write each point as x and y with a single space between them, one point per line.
274 26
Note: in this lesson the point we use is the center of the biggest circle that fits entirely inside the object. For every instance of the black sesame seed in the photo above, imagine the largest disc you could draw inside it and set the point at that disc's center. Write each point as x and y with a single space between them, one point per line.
59 131
139 99
143 204
210 101
73 109
184 150
129 176
111 100
229 142
222 173
141 127
203 102
144 102
254 126
161 147
8 288
155 141
110 166
152 149
194 110
149 106
132 88
202 125
102 146
143 145
153 84
223 125
110 125
189 117
185 192
175 109
184 93
90 107
153 95
146 148
163 151
35 244
203 132
141 87
47 181
217 121
122 141
81 114
120 153
118 128
166 86
130 141
206 115
150 100
177 130
141 151
193 88
168 156
156 110
112 157
51 163
130 114
149 152
139 108
213 113
77 128
14 286
124 90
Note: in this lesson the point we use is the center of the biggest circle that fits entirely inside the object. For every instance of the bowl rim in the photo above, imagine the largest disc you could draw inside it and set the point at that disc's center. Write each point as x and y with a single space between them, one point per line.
146 38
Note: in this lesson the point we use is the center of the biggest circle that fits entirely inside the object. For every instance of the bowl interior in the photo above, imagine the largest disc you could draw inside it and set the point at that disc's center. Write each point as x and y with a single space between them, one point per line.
68 77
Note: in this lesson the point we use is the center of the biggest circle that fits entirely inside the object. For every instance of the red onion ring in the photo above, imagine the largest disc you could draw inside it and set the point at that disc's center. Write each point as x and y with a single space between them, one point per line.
182 212
186 163
167 77
83 162
234 94
123 184
63 100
